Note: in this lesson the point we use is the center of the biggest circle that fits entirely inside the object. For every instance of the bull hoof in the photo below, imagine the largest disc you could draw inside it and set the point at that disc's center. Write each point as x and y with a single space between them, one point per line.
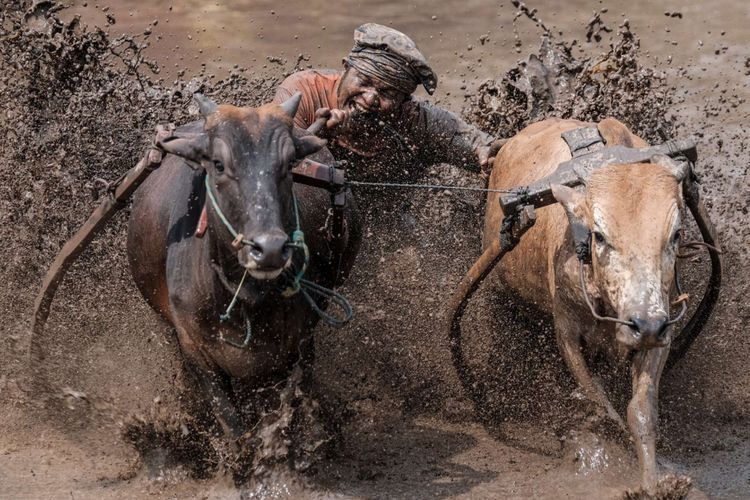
669 487
588 453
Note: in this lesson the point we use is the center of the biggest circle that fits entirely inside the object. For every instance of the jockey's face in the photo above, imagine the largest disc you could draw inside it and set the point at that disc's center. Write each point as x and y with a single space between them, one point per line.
362 94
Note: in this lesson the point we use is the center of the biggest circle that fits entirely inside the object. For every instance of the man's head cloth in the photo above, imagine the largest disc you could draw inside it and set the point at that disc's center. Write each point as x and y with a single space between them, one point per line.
392 57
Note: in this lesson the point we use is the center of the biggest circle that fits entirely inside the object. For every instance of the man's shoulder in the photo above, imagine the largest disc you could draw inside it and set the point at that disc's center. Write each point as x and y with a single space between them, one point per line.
311 76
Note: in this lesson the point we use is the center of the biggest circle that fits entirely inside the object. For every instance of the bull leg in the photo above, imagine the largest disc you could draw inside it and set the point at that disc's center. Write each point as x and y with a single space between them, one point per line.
306 359
215 386
569 341
643 411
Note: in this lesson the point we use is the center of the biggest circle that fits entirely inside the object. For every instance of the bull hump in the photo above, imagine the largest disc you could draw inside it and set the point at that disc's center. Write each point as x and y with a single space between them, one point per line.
615 133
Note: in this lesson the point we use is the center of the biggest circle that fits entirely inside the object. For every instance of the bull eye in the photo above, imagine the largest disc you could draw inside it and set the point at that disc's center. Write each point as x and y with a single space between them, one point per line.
599 238
676 237
219 165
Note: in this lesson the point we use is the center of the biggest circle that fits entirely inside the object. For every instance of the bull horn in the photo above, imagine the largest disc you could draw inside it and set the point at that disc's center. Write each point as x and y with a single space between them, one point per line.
679 170
205 105
691 330
290 105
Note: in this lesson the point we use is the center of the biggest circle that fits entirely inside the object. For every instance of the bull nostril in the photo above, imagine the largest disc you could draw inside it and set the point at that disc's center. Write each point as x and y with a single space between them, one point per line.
664 328
269 250
652 327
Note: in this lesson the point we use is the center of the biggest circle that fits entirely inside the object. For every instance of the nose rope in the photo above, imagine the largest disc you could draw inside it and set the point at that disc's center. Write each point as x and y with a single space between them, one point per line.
225 317
591 305
696 246
239 238
298 283
681 299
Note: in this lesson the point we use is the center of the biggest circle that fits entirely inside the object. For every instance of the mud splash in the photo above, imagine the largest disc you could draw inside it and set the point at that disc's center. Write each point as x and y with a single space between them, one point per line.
82 108
80 105
556 83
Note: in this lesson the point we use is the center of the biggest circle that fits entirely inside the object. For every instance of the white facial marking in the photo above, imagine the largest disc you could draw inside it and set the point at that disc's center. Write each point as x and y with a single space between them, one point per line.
636 285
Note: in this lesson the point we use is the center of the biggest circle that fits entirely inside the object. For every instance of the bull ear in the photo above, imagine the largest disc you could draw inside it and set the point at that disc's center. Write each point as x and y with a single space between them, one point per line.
192 148
205 105
574 204
290 105
679 170
308 145
572 200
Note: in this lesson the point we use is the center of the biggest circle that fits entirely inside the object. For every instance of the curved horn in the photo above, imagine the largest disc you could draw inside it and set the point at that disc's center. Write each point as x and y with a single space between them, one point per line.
691 330
205 105
290 105
679 170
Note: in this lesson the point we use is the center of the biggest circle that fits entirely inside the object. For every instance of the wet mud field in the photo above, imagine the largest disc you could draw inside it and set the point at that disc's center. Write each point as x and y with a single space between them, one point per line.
103 414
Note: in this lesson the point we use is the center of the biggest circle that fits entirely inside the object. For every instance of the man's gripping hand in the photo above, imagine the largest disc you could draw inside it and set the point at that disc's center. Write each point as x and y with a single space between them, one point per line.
486 155
334 117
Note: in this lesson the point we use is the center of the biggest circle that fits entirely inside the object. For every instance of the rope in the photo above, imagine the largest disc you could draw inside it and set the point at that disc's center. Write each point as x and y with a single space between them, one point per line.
298 241
596 315
298 283
695 245
246 340
427 186
681 299
225 317
221 215
335 297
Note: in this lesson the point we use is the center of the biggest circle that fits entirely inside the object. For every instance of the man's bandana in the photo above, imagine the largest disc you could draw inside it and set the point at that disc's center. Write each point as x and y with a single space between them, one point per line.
389 68
392 57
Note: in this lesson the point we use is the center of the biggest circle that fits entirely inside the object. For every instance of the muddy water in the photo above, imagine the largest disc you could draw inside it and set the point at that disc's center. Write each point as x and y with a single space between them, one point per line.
248 32
408 430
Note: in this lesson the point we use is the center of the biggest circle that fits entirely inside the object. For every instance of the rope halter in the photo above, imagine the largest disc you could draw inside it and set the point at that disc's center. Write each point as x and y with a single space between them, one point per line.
295 279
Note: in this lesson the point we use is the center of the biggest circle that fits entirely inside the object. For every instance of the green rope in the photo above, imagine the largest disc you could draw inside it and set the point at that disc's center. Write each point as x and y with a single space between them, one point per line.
221 215
335 297
298 241
298 283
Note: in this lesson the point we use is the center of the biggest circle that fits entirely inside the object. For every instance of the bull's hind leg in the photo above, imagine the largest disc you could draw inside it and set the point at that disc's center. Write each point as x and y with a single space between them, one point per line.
569 333
643 410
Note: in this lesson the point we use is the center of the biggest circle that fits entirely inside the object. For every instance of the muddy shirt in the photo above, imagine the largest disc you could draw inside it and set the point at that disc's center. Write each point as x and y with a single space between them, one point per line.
416 135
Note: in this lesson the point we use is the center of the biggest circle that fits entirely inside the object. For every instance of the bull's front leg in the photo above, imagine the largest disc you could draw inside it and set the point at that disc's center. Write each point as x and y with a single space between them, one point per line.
643 411
569 332
215 385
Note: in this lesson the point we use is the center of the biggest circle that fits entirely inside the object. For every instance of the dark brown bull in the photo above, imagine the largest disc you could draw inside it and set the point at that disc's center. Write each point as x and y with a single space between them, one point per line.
245 157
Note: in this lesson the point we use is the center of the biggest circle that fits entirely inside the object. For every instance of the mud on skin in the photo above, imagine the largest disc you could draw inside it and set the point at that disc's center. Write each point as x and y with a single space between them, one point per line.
80 105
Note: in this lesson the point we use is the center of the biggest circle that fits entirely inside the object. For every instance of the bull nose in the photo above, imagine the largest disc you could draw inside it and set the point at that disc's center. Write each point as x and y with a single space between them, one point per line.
654 328
270 250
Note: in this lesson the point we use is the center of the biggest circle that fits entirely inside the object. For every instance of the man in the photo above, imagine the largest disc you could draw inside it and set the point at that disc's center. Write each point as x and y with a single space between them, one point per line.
372 120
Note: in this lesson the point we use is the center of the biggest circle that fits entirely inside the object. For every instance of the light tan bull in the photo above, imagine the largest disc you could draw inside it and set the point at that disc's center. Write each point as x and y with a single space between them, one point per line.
633 214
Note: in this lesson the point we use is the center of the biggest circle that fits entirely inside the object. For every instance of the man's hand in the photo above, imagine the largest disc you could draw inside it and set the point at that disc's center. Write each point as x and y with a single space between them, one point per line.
486 155
334 117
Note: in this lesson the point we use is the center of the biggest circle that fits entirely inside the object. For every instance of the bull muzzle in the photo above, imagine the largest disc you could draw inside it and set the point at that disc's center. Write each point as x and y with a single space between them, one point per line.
266 255
645 332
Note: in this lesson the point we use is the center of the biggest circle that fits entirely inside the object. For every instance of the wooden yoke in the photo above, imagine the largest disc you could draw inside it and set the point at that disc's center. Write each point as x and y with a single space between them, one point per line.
119 193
